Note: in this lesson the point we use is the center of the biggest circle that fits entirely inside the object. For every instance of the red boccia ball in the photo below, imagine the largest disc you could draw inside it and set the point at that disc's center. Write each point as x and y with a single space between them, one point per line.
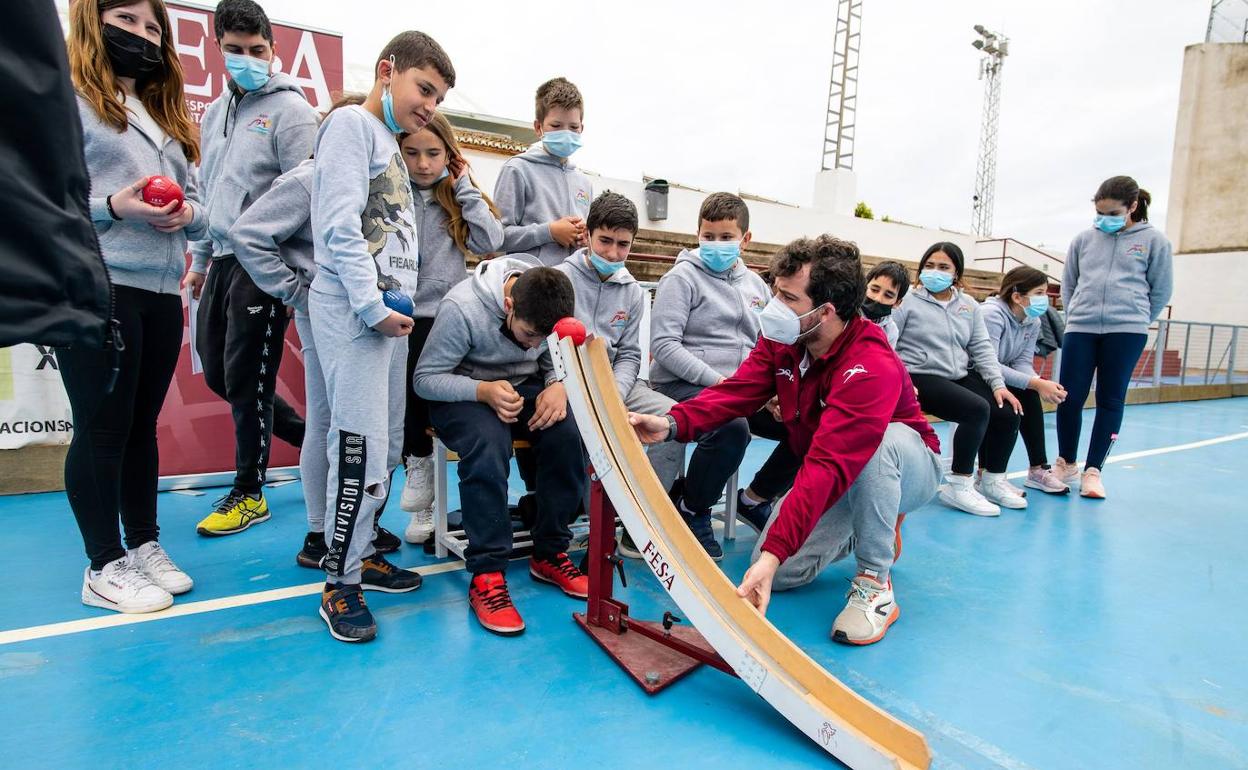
160 191
570 327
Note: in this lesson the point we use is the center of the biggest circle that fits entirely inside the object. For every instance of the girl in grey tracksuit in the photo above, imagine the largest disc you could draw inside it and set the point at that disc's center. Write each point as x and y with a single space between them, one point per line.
454 219
1117 280
116 394
944 344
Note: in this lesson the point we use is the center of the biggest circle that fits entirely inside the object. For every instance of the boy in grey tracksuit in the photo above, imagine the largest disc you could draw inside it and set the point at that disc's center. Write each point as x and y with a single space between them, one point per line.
533 190
364 237
249 138
489 337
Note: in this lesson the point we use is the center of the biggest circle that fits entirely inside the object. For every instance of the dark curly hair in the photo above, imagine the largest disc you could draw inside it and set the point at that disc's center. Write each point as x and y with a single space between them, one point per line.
835 272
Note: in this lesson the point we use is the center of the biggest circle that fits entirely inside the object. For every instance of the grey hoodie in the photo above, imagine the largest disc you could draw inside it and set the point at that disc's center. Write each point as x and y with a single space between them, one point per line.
248 139
466 345
441 262
273 238
1014 340
533 190
610 310
704 324
137 254
363 220
1119 282
945 341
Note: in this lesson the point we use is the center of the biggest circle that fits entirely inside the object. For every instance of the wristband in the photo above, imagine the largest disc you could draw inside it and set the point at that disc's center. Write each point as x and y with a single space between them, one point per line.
108 201
671 428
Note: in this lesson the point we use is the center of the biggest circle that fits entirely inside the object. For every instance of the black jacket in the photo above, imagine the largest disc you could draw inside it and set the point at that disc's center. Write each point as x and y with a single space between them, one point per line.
54 286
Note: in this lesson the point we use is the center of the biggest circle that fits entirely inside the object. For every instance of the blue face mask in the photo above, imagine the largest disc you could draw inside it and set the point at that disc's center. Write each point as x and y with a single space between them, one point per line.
561 144
1109 224
718 256
604 266
1037 305
387 105
936 281
247 73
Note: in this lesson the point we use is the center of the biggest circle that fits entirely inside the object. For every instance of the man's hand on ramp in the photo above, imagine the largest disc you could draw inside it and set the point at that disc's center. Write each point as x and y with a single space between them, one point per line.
756 585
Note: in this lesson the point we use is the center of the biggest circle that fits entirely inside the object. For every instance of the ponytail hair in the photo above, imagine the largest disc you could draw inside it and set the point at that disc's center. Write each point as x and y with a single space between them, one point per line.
1021 279
1125 189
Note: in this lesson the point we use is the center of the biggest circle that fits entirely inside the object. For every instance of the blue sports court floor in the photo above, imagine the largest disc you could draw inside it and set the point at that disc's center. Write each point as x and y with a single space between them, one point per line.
1077 634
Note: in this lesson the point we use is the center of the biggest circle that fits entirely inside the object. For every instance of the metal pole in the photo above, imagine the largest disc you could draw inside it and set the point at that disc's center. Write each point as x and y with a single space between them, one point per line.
1187 346
1230 363
1208 354
1158 350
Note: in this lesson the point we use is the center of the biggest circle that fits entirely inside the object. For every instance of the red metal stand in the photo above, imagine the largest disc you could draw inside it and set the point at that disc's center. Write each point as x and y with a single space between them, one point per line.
655 655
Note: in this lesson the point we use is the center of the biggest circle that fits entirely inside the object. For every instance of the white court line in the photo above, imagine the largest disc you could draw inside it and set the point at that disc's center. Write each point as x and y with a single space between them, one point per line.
1159 451
181 610
277 594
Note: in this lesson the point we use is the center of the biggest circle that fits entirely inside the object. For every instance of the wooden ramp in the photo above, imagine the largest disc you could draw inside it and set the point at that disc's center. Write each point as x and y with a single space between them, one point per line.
848 727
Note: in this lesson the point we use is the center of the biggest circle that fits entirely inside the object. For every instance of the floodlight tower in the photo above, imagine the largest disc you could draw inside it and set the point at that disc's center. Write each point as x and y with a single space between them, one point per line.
838 133
995 48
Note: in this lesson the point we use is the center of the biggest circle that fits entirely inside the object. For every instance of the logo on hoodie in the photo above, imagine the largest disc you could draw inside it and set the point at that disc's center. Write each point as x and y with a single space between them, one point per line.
851 371
757 304
582 198
785 373
261 124
1136 250
619 320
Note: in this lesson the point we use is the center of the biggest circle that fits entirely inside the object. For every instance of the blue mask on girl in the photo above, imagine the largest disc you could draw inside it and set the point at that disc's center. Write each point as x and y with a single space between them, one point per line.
718 256
936 281
604 266
1037 305
1109 224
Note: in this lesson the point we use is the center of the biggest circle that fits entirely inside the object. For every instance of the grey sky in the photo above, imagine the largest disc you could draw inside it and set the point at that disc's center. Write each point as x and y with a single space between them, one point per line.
731 94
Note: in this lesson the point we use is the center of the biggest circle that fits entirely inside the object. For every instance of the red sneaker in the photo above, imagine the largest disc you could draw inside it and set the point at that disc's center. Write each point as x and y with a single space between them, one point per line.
491 602
897 537
560 571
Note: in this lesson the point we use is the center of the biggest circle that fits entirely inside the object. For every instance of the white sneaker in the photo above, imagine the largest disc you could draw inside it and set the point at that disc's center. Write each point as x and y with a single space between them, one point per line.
122 588
152 561
418 487
1067 473
420 528
961 494
869 613
996 489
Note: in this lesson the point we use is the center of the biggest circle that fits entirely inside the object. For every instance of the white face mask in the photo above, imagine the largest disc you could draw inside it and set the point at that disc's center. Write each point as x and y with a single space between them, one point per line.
780 324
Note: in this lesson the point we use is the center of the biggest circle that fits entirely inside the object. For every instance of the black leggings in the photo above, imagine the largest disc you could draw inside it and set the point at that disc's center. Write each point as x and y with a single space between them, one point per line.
112 464
983 427
1031 425
416 439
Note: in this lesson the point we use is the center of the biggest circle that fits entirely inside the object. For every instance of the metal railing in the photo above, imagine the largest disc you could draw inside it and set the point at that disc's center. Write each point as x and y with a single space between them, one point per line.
1193 353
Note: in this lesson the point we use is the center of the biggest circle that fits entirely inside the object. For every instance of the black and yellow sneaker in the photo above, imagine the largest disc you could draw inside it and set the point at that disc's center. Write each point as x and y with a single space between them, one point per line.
381 575
345 612
234 513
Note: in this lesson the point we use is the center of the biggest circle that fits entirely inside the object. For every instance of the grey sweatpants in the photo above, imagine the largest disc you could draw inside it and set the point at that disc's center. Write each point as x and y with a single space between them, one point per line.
902 475
364 375
666 462
313 462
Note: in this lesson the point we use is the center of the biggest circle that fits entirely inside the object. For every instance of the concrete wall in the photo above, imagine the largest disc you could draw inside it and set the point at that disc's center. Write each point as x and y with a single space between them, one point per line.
1210 166
1207 220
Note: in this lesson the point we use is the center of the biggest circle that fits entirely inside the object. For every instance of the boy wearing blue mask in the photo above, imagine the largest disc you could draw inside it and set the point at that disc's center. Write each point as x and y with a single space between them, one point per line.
705 322
258 129
542 196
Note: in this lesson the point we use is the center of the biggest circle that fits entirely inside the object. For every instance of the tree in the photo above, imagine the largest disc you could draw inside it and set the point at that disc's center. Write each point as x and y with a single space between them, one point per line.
863 211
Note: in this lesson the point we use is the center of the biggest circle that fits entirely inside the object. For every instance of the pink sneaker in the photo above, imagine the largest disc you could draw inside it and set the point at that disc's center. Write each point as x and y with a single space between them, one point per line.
1090 486
1067 473
1046 480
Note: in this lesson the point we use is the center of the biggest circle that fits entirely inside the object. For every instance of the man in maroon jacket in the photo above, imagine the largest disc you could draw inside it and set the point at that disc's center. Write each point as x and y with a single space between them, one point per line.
852 416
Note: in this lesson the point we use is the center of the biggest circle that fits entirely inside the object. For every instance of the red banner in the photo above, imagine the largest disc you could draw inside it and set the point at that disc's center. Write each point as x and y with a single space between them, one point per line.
195 430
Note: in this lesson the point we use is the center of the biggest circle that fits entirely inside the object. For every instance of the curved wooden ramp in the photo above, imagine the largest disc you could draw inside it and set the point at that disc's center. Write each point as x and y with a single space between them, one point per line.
848 727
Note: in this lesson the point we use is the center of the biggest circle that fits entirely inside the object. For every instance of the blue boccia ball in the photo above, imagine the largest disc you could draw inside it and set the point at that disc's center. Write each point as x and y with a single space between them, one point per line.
398 302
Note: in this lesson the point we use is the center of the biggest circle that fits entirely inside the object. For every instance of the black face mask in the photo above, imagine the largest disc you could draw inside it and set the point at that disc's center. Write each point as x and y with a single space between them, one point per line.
876 311
132 56
507 332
